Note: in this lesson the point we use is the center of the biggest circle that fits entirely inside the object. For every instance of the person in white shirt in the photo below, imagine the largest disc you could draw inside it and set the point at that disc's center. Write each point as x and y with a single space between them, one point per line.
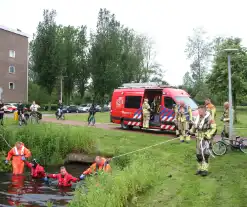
34 107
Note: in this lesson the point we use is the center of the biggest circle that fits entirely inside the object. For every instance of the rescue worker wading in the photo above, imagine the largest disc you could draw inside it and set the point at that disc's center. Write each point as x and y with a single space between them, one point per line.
183 118
64 178
205 130
37 171
100 165
211 108
146 113
19 153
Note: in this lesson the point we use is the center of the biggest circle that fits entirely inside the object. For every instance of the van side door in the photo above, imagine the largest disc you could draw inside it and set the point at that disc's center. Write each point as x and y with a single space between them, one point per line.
132 112
167 114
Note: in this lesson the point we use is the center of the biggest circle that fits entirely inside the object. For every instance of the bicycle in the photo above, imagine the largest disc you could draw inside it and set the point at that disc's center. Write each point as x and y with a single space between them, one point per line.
220 147
22 119
35 117
61 116
91 120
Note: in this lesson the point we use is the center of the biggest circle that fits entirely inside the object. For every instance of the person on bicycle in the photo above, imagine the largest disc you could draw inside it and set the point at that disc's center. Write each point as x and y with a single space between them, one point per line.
1 112
60 108
205 128
20 110
92 112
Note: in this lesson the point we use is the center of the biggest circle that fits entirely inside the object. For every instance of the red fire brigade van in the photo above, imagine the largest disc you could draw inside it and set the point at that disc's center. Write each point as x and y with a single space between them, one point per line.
126 105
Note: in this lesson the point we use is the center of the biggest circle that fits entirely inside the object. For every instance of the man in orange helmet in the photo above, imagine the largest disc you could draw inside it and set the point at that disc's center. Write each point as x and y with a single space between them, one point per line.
19 153
100 165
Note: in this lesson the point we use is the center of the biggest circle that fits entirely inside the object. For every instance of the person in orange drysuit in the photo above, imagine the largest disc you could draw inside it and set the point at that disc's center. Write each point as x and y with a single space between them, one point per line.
19 153
64 178
37 171
101 164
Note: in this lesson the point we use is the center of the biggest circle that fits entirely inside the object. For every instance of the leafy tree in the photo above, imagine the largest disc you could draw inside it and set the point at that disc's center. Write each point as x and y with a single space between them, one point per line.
69 52
198 50
83 72
45 52
104 55
218 78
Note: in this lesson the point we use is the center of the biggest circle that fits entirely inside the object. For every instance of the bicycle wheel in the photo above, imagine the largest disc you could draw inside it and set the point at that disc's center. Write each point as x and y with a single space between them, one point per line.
243 145
219 148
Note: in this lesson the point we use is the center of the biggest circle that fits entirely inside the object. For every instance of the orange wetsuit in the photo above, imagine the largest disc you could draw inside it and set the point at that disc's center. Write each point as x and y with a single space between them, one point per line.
17 162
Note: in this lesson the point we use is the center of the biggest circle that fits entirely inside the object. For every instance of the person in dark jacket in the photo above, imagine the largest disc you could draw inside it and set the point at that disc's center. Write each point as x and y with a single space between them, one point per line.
1 112
60 108
20 110
92 112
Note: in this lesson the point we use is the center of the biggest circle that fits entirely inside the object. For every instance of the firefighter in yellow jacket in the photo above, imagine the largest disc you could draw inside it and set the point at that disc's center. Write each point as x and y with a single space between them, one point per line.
183 117
226 119
146 113
205 127
175 109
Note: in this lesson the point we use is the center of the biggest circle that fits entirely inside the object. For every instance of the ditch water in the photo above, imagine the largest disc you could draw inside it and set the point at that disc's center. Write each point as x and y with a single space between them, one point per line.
22 189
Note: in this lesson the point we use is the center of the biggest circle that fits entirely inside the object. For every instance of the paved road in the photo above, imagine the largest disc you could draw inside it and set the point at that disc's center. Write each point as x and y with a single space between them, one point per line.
109 126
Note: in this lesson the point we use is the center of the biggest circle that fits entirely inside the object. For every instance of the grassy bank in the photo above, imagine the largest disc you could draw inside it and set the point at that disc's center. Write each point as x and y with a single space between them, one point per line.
48 143
145 180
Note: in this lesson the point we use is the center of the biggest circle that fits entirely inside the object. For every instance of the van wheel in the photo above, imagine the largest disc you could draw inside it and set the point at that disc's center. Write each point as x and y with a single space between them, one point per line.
124 126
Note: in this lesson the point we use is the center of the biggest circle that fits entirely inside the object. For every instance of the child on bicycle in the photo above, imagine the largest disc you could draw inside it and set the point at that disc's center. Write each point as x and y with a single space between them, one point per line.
92 112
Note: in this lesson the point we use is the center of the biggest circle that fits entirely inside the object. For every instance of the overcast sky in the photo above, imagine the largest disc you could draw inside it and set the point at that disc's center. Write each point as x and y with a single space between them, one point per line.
167 22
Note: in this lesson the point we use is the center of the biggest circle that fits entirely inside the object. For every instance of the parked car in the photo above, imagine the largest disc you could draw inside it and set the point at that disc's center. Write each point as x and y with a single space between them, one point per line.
105 108
85 108
81 109
65 109
72 109
12 107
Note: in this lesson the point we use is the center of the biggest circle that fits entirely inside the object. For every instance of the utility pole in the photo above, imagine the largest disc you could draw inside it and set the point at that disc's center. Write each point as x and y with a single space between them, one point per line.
230 91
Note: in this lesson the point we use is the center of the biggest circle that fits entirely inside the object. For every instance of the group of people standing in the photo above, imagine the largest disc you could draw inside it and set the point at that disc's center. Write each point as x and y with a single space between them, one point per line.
204 127
19 155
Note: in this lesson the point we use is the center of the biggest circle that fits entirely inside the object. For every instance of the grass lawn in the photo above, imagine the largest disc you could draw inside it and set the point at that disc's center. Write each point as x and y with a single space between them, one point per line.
156 177
145 181
101 117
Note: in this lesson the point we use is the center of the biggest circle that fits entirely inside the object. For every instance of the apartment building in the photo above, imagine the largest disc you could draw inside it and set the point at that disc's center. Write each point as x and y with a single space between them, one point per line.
13 65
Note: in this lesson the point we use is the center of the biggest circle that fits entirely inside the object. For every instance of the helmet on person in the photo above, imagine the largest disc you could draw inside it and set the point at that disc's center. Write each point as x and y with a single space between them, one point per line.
34 162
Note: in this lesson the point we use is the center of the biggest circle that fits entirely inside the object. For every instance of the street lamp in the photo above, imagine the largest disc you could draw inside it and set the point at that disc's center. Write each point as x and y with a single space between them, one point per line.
61 87
229 50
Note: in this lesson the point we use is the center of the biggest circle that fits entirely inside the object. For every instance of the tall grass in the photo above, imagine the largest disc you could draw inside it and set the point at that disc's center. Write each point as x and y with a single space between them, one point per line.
121 188
49 143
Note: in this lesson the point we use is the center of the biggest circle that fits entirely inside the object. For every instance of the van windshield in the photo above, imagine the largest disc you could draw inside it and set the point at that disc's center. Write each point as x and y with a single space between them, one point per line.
187 101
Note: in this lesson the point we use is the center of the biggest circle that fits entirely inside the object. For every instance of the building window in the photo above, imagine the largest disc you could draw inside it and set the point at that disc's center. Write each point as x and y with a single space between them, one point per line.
11 86
169 102
132 102
11 69
12 53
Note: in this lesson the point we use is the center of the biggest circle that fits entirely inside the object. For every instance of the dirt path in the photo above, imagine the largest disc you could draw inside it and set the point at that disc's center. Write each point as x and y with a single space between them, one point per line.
109 126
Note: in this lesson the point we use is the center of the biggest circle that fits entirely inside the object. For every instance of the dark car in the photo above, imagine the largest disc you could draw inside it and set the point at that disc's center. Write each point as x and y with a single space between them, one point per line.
72 109
65 109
